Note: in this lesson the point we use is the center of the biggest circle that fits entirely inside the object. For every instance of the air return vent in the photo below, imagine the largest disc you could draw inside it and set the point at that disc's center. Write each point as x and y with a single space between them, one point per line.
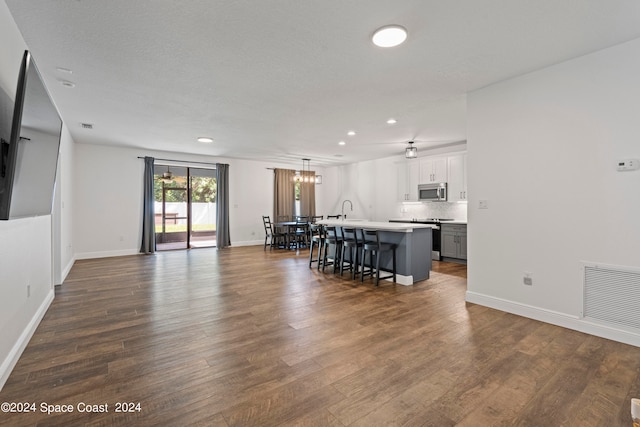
612 294
86 125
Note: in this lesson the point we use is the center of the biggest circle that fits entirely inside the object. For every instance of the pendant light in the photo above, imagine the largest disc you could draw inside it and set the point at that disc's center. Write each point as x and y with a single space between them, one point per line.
411 152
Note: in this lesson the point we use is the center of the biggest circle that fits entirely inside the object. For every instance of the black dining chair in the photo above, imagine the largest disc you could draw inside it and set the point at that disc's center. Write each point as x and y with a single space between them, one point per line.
270 236
301 231
372 245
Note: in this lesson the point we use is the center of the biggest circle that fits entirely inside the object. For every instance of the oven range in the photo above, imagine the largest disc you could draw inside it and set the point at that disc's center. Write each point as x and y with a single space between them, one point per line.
435 233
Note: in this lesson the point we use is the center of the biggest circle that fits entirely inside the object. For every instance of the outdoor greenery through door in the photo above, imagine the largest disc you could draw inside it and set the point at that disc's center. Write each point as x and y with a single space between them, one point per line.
185 207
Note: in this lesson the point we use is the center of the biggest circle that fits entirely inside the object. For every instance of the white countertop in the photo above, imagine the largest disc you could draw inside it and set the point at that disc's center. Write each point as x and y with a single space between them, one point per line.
455 221
386 226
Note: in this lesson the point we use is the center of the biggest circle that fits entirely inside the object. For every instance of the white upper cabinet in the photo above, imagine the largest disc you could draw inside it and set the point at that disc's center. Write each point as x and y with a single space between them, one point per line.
408 173
457 181
433 170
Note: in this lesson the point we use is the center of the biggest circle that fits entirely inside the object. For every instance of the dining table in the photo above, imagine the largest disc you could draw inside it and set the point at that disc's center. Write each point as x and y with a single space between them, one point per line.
291 227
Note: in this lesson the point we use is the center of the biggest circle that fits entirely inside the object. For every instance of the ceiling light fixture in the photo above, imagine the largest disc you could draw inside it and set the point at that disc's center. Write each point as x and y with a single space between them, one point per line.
351 133
305 174
411 152
342 143
205 139
389 36
392 121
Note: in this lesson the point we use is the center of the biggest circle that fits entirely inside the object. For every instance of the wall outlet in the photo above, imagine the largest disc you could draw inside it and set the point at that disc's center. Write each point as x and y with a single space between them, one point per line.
122 238
483 204
528 278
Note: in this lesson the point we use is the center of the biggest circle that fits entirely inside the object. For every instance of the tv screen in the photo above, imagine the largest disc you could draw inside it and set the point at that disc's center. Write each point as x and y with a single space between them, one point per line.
29 158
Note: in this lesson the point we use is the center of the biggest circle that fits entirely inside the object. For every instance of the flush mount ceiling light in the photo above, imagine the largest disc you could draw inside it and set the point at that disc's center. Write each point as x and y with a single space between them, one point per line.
205 139
342 143
351 133
411 152
392 121
389 36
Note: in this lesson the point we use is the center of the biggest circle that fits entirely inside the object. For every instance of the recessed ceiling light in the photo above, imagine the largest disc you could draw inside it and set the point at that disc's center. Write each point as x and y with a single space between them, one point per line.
205 139
389 36
351 133
392 121
64 70
342 143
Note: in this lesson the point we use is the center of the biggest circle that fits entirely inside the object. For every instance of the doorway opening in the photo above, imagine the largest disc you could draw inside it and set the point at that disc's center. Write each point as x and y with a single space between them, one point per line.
185 207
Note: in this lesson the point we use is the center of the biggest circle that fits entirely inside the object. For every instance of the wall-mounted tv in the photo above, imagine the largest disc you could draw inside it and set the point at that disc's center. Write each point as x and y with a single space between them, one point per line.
29 150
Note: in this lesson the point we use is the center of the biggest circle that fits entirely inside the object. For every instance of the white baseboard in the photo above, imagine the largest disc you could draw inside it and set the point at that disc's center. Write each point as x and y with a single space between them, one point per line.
556 318
66 270
248 243
14 355
107 254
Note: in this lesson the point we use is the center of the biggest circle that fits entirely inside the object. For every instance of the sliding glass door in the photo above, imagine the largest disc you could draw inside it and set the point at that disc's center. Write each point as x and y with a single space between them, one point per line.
202 207
184 207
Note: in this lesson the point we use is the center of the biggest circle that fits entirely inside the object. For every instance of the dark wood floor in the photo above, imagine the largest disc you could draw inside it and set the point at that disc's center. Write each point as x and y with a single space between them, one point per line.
243 337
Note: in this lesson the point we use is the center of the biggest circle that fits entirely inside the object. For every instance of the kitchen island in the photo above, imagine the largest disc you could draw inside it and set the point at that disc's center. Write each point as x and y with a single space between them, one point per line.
413 256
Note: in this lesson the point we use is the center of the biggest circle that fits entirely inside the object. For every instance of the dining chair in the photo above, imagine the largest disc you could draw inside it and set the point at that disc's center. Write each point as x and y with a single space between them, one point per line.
270 235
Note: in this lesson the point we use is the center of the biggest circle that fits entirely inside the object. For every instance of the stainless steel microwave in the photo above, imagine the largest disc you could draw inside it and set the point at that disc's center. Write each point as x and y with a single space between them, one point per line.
432 192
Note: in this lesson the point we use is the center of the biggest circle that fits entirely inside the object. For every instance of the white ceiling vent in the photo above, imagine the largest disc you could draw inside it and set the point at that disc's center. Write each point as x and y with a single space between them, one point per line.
86 125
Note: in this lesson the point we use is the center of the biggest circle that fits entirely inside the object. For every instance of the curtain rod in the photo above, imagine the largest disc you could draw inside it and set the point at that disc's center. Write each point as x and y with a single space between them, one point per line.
181 161
295 170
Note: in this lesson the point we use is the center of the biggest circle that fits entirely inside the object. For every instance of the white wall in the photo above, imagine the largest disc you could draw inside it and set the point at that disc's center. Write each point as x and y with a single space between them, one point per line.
108 198
542 150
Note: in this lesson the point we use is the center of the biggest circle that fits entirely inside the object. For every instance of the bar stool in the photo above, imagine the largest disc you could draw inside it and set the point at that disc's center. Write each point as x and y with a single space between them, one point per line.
317 238
350 243
331 238
373 246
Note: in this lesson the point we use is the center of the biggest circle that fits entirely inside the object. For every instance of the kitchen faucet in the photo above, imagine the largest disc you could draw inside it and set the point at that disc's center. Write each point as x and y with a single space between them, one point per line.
343 215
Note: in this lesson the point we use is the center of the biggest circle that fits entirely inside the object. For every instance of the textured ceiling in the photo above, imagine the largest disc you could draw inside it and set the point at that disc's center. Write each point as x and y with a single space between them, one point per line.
280 80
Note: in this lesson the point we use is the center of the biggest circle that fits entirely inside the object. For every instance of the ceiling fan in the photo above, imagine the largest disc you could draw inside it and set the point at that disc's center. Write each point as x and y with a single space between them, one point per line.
168 177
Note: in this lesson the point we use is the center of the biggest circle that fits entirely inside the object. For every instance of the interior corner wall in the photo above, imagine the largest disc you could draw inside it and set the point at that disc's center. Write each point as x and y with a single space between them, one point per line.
542 153
26 287
63 209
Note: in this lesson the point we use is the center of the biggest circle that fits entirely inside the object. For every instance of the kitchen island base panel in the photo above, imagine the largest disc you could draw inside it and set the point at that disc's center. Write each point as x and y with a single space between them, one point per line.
413 253
413 256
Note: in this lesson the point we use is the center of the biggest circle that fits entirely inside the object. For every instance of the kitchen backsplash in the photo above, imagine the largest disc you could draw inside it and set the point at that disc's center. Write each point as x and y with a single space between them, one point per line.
456 211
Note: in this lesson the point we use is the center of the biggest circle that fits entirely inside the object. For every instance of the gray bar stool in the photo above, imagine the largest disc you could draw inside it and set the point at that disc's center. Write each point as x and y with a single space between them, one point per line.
351 244
372 245
331 238
316 232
